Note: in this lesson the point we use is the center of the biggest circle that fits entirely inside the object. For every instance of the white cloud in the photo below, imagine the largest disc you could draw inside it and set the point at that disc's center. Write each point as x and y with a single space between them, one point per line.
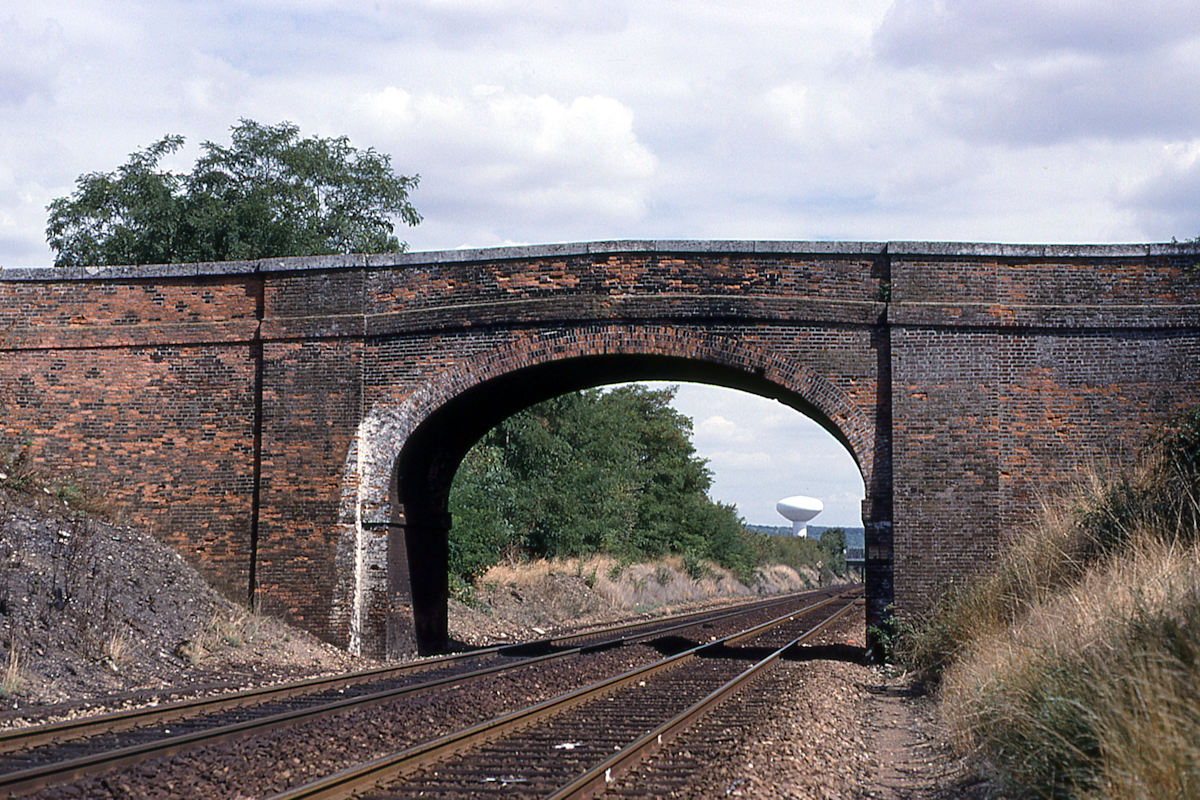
1167 200
723 460
535 160
1037 73
1074 98
962 33
717 430
31 54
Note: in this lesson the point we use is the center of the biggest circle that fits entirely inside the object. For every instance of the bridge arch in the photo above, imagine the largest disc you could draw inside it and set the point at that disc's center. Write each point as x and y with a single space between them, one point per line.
405 456
255 414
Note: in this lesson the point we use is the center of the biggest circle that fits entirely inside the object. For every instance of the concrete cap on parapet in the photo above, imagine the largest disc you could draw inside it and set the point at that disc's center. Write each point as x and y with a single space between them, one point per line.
616 246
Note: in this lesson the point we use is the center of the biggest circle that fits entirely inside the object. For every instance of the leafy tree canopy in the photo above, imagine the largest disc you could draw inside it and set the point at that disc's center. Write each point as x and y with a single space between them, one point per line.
833 542
270 193
589 472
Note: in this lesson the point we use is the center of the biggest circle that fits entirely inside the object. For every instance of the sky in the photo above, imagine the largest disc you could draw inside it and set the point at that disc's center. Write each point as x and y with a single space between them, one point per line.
528 122
760 451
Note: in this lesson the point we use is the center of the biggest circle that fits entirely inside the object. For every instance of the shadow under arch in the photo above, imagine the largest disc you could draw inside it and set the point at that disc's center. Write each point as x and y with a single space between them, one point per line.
422 441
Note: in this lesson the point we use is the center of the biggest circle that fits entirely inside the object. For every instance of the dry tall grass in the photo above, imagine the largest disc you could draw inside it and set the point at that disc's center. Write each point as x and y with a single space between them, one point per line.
230 627
1092 692
666 582
1073 670
117 648
13 676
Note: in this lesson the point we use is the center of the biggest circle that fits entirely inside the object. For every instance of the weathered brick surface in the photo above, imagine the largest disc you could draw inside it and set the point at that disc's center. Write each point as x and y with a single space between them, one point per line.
143 393
311 407
1011 377
290 423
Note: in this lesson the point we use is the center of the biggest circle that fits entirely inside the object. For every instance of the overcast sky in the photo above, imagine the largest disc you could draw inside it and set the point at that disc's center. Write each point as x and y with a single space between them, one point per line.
761 451
979 120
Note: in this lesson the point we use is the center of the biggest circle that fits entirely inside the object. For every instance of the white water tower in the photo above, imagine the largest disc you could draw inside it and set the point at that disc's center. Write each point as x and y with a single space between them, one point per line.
799 510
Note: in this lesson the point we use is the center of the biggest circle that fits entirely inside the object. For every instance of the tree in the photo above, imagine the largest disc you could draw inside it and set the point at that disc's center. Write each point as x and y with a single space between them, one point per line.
833 542
595 471
269 194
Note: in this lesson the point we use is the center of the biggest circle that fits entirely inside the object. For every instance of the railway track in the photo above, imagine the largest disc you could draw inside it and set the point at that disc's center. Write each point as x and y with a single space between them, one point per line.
572 746
95 756
21 738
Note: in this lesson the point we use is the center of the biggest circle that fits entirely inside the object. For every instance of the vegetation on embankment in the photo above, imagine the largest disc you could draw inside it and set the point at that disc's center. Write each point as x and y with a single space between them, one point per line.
533 598
1072 669
605 473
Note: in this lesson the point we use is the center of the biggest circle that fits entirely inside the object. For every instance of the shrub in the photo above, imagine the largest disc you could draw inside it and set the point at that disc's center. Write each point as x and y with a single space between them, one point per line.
18 469
695 567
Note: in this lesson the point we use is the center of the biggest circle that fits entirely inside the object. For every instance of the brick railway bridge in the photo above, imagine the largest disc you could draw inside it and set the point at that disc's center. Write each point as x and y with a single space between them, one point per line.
292 426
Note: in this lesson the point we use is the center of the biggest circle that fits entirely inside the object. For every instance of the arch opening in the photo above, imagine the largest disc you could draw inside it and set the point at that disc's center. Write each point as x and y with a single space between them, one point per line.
761 451
428 458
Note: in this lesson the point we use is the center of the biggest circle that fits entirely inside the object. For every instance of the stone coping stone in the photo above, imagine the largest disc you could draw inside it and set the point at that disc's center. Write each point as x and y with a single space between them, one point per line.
680 246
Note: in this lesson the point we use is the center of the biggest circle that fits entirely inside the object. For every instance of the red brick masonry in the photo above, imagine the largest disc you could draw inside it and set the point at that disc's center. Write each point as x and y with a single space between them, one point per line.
292 425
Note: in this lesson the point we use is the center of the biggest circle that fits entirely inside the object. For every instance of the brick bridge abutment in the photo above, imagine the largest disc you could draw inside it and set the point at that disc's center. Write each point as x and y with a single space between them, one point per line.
292 426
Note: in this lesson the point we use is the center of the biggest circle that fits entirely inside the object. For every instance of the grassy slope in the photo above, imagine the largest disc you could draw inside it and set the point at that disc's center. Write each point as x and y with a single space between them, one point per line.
1072 670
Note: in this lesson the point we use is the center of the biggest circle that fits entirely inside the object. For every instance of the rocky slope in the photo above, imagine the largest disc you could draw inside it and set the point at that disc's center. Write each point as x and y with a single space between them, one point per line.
88 608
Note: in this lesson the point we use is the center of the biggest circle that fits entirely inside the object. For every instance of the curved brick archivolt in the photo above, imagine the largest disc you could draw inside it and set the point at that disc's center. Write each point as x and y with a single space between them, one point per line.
386 428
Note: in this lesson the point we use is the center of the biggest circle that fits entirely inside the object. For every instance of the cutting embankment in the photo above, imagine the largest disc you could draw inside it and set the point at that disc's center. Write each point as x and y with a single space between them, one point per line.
1071 670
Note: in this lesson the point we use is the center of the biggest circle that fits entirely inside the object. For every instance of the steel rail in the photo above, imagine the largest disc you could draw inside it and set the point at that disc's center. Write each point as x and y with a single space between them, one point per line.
80 727
598 777
37 777
394 766
20 738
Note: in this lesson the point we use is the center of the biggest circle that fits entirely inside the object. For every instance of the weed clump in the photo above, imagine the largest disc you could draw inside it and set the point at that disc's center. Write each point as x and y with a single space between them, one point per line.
12 677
